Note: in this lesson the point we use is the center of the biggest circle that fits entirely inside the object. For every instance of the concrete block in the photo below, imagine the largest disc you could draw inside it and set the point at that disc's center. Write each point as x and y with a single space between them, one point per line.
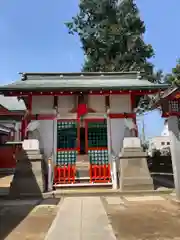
133 154
131 142
134 172
28 178
144 198
30 144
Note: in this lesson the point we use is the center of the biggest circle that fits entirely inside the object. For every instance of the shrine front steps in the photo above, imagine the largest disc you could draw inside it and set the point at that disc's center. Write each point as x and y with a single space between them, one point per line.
82 168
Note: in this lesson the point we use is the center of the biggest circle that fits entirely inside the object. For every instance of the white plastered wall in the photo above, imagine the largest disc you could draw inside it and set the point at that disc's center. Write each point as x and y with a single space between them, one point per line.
119 104
65 105
117 134
46 129
97 103
42 104
44 132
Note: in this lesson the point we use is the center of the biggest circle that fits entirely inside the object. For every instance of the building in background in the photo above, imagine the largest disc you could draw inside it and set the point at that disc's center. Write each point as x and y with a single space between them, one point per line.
159 143
169 101
12 111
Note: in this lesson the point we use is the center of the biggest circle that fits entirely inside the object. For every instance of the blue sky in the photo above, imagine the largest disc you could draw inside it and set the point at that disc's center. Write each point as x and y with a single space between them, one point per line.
34 38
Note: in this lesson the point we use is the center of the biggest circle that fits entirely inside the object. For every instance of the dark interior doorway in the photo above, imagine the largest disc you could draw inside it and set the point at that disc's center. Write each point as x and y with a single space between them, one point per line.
82 141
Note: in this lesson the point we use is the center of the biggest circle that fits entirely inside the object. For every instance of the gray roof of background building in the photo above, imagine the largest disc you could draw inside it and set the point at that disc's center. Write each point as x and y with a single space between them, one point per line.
81 81
12 103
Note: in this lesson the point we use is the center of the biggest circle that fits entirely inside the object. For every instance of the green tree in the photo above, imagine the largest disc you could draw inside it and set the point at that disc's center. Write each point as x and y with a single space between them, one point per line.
174 76
111 33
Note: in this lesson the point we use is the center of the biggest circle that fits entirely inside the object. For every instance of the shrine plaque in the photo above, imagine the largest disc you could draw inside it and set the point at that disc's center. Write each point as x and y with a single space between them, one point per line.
177 96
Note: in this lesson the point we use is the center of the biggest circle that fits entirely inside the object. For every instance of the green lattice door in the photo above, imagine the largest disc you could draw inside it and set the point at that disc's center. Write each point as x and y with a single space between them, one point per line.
97 141
66 142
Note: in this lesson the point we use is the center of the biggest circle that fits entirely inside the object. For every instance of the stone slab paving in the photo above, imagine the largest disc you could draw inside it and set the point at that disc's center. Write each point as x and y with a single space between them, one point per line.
19 202
114 200
144 198
81 218
5 180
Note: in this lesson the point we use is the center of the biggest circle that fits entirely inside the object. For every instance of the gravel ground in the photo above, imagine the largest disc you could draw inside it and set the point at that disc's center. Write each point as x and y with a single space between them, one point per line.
144 220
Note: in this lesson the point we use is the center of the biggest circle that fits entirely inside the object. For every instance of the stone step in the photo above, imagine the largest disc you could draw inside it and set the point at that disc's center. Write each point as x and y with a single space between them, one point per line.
82 166
78 164
33 157
24 156
137 187
32 152
133 155
130 149
83 173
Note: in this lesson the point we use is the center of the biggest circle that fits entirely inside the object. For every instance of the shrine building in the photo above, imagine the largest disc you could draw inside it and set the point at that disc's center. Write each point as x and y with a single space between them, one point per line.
11 114
169 102
80 119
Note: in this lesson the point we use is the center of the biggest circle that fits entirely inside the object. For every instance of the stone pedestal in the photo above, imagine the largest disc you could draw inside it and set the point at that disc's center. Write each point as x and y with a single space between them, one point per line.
134 172
28 178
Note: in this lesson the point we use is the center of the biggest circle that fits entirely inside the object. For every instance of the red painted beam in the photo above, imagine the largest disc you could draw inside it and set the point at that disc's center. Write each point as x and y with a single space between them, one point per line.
99 92
30 103
169 114
43 117
12 114
122 115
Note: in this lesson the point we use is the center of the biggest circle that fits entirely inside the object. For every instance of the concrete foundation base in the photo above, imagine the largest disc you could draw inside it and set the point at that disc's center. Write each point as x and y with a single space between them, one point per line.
134 172
28 178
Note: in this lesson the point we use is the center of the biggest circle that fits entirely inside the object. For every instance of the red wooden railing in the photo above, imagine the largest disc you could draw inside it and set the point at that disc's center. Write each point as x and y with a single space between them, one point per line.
64 174
100 173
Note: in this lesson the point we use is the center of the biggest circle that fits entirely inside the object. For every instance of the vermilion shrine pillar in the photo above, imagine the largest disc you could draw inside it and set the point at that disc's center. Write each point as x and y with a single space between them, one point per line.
27 118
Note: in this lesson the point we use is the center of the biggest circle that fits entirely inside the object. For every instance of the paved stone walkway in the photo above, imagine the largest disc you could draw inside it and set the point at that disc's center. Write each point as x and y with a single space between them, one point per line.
81 218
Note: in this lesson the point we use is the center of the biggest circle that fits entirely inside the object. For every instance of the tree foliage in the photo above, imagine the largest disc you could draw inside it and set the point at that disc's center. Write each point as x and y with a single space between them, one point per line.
111 33
174 76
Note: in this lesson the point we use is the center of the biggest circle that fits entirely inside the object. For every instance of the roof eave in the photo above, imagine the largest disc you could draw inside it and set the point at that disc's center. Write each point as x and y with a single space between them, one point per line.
80 73
153 87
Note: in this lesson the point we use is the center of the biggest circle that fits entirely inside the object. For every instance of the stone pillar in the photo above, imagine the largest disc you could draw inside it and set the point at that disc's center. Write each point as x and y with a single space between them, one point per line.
175 151
28 178
134 172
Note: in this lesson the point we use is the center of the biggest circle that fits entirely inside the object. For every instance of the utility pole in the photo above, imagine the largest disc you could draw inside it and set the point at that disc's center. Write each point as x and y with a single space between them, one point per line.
143 132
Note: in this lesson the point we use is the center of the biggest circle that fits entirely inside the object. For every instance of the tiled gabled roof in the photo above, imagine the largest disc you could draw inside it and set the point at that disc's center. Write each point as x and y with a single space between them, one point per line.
81 81
12 103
